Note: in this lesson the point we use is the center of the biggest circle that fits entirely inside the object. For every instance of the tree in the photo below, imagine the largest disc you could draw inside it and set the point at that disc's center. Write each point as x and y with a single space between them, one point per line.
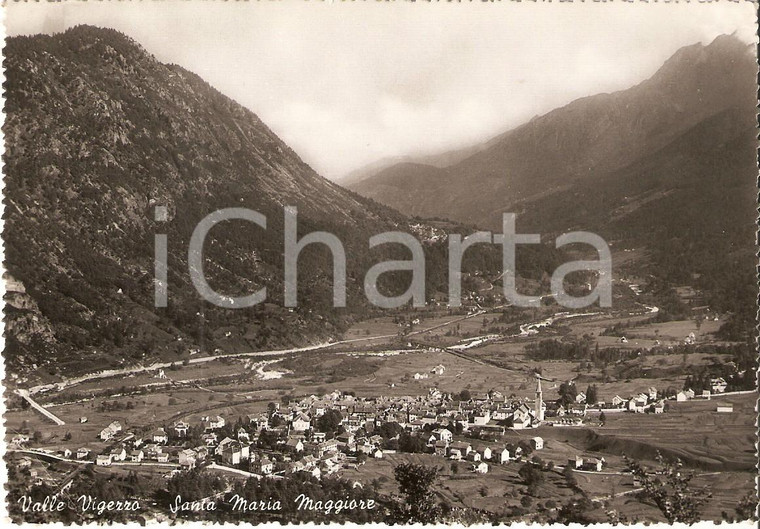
592 394
602 418
669 489
465 395
330 421
532 477
746 510
567 393
412 444
414 483
575 511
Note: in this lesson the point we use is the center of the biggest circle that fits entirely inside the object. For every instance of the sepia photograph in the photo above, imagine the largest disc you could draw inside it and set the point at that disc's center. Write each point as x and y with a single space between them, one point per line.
465 263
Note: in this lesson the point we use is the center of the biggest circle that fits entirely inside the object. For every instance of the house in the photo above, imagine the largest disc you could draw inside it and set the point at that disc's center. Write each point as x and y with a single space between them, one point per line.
201 453
580 398
725 408
501 414
689 393
378 454
209 438
502 456
681 396
295 445
522 418
718 385
66 453
706 394
20 439
652 392
187 458
440 369
537 443
260 421
331 445
440 448
309 462
617 401
474 456
83 420
223 444
232 453
593 464
108 433
346 438
462 447
118 453
264 466
638 403
162 457
486 453
295 466
181 428
103 460
576 462
443 434
83 453
481 418
455 454
301 423
243 436
212 423
480 468
159 436
136 456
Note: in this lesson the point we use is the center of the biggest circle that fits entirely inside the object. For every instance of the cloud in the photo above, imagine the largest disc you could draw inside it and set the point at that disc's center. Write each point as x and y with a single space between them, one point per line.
347 84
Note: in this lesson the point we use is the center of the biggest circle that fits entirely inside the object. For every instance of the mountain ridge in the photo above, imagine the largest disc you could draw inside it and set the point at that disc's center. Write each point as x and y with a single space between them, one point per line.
557 142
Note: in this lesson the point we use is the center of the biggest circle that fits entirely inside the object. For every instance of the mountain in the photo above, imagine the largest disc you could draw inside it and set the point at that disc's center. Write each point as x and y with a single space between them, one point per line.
667 166
438 160
589 138
98 133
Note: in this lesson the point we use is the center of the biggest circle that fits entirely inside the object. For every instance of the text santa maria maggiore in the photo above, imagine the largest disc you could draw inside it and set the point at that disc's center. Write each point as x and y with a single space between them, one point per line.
302 503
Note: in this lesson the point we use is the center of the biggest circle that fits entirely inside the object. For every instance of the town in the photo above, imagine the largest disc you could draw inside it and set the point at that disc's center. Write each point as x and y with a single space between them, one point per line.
323 435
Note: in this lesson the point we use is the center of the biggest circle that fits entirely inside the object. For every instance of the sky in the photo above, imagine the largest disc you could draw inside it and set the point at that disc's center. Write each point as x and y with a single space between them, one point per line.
348 83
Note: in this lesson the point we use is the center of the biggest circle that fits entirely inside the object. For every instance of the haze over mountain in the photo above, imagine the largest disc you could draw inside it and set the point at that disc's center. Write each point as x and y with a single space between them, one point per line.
589 138
668 165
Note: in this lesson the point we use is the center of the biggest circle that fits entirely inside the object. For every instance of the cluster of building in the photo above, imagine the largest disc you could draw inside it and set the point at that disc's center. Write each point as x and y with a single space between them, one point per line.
298 441
301 447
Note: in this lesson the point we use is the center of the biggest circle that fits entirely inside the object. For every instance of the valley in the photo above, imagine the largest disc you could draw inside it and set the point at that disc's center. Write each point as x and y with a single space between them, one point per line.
481 350
499 413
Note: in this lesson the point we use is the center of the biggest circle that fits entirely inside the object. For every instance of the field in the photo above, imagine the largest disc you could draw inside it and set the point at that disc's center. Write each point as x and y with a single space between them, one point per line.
719 448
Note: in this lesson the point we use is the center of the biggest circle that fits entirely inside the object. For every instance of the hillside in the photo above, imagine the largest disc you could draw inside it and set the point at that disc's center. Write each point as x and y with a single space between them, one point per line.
668 165
589 138
98 133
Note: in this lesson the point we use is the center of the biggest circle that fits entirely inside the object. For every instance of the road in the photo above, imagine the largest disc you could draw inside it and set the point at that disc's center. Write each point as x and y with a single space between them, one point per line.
34 404
133 370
